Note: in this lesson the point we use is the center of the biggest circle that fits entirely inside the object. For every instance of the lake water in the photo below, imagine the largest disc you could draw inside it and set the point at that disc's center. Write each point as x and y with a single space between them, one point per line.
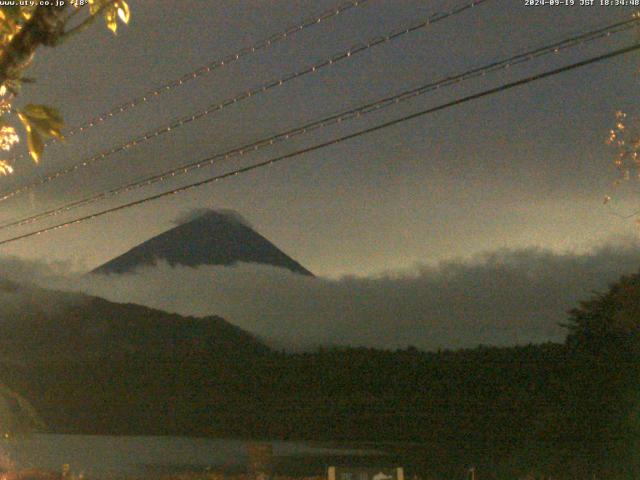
105 456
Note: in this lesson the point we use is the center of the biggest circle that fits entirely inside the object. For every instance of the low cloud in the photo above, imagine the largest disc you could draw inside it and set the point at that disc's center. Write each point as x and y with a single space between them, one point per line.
500 298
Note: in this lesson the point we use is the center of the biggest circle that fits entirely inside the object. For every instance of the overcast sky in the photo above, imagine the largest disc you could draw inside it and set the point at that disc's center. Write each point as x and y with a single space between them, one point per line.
528 167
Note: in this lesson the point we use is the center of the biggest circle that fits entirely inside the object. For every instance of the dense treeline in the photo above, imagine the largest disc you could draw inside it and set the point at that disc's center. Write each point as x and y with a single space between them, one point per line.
567 411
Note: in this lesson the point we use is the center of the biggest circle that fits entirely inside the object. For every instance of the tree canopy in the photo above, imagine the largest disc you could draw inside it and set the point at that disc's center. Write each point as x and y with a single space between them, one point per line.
24 29
608 320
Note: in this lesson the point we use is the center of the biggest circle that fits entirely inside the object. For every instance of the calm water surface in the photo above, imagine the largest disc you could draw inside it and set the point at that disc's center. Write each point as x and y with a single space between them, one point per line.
105 456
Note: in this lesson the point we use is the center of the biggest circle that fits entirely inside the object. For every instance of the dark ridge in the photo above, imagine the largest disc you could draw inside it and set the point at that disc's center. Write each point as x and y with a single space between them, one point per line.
60 326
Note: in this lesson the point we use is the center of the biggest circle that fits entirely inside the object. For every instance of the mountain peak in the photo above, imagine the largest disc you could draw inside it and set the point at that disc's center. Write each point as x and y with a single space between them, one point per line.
205 237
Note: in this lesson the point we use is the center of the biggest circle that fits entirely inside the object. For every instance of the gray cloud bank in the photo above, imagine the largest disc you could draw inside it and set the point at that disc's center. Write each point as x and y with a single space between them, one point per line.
500 298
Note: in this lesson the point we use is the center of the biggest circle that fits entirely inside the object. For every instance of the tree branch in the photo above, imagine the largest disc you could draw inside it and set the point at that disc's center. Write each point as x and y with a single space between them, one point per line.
45 27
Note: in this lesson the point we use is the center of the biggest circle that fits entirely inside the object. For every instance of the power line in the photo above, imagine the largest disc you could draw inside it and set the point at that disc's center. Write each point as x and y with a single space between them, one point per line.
504 87
208 68
177 123
577 40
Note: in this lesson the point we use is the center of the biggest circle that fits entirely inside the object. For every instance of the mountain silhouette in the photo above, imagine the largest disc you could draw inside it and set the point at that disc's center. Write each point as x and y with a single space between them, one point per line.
38 324
208 238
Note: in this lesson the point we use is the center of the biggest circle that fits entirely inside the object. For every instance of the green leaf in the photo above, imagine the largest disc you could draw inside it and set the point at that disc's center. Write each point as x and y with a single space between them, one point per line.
46 120
11 11
35 144
40 121
118 9
96 5
110 18
123 11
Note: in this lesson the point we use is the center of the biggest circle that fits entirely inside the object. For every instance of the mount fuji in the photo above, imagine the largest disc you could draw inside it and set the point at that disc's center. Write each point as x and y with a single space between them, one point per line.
207 237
